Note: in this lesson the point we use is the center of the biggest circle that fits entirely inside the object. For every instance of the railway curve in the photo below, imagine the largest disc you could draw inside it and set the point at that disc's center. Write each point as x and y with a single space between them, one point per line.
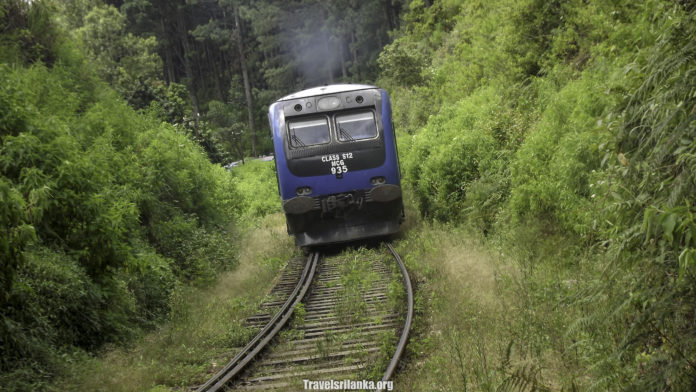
340 331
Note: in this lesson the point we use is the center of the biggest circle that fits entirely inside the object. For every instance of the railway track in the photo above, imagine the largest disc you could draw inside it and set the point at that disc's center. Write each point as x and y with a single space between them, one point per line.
345 320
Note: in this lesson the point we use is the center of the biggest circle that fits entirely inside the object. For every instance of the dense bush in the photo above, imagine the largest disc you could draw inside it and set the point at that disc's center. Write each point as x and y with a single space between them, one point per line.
548 120
258 189
451 154
104 210
653 237
552 172
28 33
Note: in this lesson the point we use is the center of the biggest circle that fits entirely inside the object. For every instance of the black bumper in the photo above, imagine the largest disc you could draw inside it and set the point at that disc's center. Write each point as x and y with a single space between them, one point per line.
358 220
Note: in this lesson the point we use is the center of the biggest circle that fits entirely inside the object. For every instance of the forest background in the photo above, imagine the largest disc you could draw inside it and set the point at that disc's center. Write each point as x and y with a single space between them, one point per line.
561 132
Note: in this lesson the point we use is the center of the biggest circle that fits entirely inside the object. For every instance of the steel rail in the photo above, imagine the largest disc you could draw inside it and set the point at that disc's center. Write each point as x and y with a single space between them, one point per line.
409 317
267 333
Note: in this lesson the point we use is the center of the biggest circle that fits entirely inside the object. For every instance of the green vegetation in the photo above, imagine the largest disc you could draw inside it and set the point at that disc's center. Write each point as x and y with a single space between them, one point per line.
258 189
206 328
483 321
112 213
547 147
106 213
356 277
561 133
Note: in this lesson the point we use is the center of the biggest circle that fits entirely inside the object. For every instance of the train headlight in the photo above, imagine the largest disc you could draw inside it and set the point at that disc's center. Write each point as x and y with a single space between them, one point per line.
377 180
303 191
328 103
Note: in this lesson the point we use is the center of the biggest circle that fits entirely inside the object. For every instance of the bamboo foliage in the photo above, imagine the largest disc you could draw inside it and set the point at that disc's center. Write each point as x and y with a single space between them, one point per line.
656 230
589 113
104 210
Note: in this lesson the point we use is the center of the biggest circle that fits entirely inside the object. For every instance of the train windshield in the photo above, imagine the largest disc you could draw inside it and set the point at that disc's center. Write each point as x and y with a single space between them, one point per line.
308 132
356 126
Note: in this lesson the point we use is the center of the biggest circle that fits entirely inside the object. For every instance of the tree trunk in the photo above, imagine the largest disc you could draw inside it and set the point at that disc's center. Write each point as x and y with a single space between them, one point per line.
247 85
354 52
329 60
183 35
343 60
169 62
389 14
199 65
214 66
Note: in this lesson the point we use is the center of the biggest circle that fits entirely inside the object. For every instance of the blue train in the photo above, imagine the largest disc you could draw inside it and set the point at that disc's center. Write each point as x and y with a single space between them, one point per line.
337 164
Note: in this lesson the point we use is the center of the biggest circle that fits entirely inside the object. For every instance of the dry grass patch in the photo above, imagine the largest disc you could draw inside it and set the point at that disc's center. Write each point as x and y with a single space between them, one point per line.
483 321
458 306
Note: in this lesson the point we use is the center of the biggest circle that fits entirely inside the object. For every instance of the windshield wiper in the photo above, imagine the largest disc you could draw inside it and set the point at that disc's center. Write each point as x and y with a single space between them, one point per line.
296 140
345 134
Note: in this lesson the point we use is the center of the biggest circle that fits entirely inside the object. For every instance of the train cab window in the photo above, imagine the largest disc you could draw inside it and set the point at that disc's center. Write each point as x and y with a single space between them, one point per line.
356 126
308 132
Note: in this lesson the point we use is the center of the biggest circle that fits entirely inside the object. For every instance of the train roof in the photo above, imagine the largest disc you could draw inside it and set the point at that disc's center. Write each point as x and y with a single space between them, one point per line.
329 89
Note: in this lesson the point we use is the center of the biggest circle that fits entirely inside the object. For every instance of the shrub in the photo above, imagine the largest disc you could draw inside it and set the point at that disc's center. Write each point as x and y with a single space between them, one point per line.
54 304
573 124
552 173
454 151
150 279
28 33
653 230
104 212
256 181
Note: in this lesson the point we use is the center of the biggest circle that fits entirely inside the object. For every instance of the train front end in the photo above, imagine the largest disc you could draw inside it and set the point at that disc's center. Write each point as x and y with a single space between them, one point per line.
337 164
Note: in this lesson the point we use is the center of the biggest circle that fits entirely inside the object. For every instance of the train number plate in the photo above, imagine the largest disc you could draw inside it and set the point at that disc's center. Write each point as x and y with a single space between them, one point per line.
339 162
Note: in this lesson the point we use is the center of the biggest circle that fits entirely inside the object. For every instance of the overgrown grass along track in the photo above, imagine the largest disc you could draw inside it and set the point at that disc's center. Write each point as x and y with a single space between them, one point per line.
346 328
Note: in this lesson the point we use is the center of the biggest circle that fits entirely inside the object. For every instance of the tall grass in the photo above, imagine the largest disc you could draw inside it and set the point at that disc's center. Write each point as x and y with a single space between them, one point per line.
487 319
563 134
